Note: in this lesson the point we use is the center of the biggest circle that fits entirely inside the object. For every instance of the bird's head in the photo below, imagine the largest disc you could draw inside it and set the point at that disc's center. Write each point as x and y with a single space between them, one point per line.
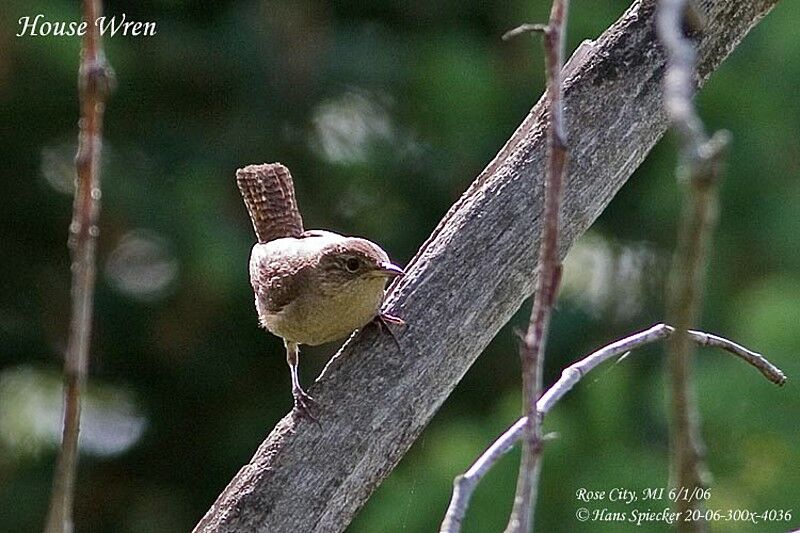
355 260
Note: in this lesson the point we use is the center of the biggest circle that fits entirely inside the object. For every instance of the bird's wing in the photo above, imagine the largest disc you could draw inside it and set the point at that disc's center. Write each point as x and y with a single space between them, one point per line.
268 192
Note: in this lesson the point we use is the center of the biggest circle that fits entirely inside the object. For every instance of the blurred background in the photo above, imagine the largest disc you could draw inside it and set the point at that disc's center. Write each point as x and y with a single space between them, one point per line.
384 111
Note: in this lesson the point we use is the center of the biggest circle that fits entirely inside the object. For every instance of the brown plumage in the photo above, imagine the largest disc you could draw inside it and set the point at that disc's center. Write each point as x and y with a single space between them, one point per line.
306 292
310 287
268 192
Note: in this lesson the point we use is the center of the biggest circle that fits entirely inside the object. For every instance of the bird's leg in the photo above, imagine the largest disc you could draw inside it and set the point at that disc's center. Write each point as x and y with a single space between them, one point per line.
303 403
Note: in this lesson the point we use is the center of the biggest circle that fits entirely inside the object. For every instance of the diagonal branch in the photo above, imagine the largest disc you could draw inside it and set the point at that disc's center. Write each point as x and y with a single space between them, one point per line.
467 280
95 80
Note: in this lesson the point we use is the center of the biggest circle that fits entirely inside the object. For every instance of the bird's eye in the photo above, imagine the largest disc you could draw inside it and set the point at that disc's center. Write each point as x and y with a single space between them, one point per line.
352 264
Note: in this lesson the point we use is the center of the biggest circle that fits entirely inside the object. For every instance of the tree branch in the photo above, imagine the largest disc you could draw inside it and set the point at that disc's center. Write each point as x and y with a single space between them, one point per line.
464 485
532 350
94 85
702 160
467 280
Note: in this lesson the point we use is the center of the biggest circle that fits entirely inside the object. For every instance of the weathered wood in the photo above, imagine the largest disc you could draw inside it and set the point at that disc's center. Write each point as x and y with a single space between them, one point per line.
466 281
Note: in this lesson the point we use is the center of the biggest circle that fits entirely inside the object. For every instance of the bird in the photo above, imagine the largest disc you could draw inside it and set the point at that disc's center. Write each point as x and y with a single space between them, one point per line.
310 286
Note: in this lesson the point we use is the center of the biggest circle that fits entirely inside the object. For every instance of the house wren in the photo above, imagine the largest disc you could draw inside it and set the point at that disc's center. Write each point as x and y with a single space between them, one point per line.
314 286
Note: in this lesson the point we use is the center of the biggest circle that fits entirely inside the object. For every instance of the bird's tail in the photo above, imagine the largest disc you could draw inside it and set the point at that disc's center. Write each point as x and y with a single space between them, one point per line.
268 192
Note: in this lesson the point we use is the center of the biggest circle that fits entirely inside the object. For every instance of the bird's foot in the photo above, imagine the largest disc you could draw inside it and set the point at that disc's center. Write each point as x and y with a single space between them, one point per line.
304 404
384 321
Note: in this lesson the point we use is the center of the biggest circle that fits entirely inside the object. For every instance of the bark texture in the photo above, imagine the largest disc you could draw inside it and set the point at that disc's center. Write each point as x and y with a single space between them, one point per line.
466 281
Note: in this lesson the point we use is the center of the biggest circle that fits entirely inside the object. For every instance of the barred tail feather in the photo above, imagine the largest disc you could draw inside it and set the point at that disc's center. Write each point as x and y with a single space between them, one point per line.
268 192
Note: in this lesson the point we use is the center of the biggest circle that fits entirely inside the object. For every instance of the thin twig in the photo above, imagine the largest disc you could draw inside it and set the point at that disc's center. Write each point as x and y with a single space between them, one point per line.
523 28
701 164
532 349
95 80
464 485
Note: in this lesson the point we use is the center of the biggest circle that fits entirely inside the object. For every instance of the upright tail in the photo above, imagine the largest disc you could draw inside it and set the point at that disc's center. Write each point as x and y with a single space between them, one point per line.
268 192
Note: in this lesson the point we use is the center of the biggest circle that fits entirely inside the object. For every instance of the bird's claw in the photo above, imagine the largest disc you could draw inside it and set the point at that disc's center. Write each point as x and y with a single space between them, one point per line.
384 320
387 319
304 404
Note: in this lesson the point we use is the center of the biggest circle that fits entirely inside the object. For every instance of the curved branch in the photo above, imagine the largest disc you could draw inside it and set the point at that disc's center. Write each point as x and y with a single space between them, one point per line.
465 484
467 280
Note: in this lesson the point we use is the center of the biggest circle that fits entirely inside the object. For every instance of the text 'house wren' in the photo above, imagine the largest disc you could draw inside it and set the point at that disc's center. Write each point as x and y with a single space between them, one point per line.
312 286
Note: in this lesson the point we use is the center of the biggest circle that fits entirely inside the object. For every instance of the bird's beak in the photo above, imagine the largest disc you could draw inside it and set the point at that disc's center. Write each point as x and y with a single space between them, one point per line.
390 270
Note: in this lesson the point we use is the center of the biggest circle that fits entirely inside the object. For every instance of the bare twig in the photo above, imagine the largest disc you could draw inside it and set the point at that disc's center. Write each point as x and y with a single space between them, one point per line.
770 371
522 29
532 349
94 84
465 484
702 160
